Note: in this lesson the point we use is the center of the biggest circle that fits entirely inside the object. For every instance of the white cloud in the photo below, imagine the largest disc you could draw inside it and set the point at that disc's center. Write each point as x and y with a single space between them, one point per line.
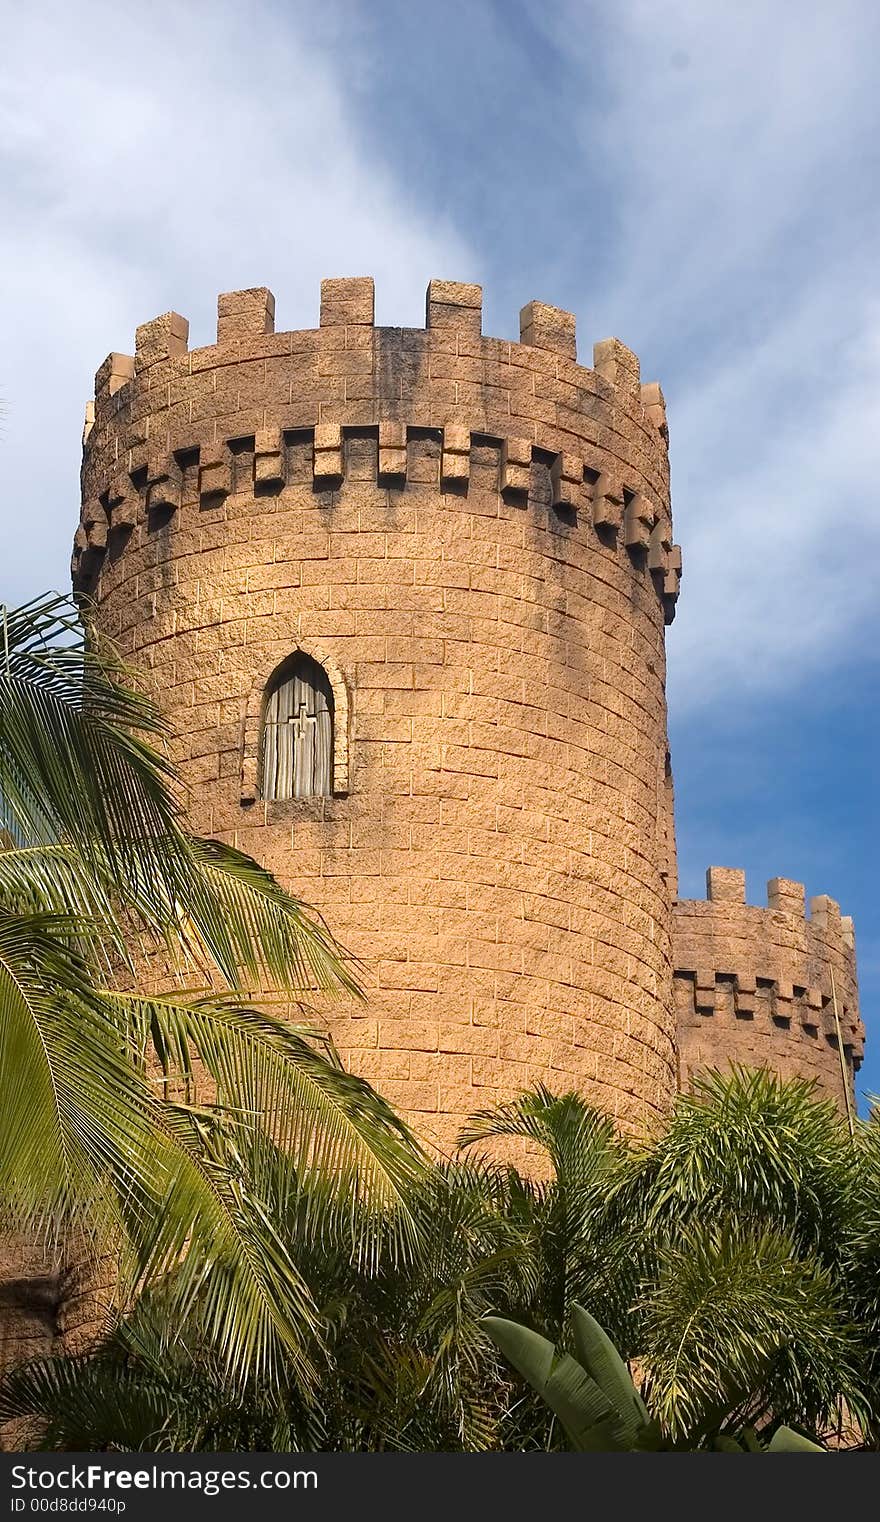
151 158
738 143
155 157
778 511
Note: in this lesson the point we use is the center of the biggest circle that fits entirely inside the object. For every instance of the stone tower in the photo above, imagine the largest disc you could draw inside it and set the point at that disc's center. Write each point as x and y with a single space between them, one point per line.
763 986
470 540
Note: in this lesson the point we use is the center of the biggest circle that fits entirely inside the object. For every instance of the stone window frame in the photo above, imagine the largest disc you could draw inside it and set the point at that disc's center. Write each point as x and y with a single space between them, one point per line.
277 655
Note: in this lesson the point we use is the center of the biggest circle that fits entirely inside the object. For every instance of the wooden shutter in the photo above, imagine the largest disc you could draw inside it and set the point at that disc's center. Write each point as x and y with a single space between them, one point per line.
298 733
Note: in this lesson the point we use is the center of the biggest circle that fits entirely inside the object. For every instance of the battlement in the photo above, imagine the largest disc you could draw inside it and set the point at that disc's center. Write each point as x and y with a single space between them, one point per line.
453 322
453 311
727 885
171 426
775 980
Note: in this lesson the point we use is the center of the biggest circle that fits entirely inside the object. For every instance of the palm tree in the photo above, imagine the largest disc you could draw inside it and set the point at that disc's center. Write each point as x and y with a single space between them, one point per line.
577 1249
406 1364
145 1100
747 1212
733 1260
719 1254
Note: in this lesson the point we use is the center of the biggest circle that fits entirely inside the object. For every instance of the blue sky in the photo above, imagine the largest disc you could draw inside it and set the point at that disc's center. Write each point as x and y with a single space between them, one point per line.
696 178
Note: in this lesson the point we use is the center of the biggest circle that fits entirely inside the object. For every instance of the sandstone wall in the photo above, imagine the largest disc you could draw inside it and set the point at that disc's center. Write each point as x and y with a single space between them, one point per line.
473 536
48 1306
756 986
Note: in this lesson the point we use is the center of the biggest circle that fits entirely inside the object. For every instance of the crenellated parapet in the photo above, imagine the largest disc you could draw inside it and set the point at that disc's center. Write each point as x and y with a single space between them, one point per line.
765 985
173 428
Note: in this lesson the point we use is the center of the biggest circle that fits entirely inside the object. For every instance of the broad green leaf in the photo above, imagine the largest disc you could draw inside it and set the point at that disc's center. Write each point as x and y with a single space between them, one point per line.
582 1407
784 1440
600 1358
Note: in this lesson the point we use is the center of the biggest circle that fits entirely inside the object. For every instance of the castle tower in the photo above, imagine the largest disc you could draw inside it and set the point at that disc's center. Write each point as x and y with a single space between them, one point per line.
764 986
402 595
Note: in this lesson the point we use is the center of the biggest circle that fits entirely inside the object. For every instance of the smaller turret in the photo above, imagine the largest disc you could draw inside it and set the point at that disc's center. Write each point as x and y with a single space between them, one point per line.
765 985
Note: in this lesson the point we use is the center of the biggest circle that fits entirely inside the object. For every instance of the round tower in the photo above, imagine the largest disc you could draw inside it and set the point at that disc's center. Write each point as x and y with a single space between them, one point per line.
764 986
402 595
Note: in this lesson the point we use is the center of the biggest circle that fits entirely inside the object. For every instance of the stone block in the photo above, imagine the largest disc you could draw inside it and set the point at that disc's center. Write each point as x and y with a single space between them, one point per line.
328 461
660 545
787 896
392 451
618 365
516 465
348 302
638 522
550 328
215 473
456 457
164 338
566 482
607 495
116 371
268 457
452 307
726 885
245 314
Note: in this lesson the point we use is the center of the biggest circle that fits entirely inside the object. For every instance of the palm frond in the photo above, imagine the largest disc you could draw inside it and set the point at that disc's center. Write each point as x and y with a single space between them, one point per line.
327 1132
752 1144
54 879
76 759
246 924
88 1405
87 1149
210 1237
736 1323
576 1136
74 1109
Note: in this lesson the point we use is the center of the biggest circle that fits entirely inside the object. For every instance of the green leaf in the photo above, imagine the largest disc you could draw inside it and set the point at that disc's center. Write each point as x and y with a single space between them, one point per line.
600 1358
582 1407
242 921
76 762
332 1134
784 1440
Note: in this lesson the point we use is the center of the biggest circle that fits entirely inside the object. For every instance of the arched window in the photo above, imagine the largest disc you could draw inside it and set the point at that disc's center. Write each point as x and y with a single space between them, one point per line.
297 741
